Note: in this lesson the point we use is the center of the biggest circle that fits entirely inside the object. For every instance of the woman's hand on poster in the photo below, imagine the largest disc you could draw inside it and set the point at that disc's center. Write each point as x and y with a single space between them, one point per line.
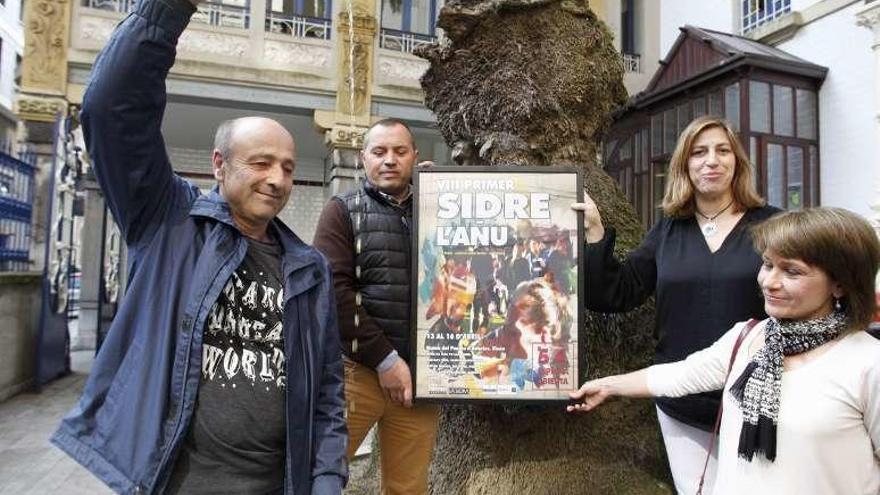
590 395
425 164
595 231
397 383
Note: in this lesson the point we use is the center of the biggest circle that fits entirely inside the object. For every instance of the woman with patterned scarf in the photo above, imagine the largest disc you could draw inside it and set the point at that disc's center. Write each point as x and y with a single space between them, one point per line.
801 406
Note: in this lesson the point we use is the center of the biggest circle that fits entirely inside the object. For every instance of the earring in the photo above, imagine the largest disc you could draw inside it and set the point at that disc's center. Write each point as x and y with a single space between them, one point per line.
837 305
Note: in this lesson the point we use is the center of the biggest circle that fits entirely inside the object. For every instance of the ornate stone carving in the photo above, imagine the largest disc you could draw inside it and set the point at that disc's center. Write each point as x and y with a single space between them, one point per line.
361 20
354 86
39 109
345 137
870 18
356 31
44 64
96 29
402 70
213 43
292 54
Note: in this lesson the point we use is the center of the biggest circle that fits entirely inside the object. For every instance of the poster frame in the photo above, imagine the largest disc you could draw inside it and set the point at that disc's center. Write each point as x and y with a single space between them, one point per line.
579 317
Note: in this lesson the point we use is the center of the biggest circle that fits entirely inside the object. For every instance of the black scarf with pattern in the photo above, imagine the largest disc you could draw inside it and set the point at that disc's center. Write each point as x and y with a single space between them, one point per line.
758 387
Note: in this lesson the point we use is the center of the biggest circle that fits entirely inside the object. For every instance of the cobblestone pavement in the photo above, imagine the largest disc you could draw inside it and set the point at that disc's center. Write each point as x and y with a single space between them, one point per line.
29 464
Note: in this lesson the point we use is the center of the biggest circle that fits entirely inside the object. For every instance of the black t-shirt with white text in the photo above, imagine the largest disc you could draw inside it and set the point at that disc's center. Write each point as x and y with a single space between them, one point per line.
237 437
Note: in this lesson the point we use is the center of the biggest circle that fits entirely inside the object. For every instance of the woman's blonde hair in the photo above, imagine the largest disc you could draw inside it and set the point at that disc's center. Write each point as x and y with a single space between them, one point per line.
839 242
678 201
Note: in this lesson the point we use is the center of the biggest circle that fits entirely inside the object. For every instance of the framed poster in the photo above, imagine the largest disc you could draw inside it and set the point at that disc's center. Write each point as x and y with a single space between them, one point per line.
497 288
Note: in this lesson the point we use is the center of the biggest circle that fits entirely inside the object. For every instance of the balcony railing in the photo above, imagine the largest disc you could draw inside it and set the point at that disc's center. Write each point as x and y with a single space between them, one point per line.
758 12
632 63
210 13
16 205
121 6
403 41
298 26
223 15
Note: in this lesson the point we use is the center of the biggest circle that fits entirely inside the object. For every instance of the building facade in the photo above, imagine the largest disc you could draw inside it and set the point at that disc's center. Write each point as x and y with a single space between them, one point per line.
787 42
11 44
635 25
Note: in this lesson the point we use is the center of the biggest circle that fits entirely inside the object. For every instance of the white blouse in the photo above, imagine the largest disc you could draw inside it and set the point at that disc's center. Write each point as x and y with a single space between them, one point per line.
828 431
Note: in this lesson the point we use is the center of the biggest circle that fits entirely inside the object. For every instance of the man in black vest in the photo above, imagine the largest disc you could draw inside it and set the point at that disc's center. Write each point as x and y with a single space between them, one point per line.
365 234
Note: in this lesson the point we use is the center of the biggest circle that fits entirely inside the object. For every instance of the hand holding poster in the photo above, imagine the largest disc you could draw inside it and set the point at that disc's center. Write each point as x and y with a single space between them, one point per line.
496 283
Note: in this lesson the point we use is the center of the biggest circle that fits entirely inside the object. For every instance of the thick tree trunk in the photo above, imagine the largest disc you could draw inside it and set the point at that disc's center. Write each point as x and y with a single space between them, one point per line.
535 82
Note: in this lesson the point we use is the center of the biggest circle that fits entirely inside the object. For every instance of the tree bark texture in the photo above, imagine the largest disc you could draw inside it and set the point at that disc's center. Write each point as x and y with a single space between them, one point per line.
536 82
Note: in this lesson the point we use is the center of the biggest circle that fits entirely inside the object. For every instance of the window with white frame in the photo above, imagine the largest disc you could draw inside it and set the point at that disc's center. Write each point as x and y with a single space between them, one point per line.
407 24
757 12
630 34
300 18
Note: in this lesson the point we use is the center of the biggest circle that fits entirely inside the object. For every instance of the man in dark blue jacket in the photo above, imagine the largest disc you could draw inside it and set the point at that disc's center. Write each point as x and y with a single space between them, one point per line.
222 369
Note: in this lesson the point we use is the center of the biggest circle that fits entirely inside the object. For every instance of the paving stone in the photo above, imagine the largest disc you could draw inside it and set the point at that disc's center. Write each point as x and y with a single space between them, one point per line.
29 464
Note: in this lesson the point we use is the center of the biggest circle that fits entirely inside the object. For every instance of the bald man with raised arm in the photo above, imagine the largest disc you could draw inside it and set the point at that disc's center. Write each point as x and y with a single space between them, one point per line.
221 372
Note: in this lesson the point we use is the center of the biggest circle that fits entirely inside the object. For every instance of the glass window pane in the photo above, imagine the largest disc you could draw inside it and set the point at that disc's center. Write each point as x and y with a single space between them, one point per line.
625 152
731 105
783 110
627 183
806 114
645 155
314 8
392 18
753 158
637 148
420 20
638 194
715 107
656 135
759 106
795 187
813 200
775 175
659 186
699 107
684 116
669 130
609 148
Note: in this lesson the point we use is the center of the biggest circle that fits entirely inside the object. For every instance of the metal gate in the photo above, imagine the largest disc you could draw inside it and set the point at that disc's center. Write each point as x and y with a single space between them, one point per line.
60 285
110 276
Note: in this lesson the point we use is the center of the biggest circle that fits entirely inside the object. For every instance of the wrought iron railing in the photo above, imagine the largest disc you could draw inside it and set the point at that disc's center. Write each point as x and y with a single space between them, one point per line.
122 6
209 12
223 15
403 41
632 63
16 208
758 12
298 26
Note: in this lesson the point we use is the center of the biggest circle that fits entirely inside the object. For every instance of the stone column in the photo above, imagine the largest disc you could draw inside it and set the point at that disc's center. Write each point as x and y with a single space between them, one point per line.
42 98
869 17
344 127
257 35
90 284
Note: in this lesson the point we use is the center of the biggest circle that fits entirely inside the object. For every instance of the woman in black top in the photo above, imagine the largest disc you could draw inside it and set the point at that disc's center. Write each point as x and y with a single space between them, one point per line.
700 263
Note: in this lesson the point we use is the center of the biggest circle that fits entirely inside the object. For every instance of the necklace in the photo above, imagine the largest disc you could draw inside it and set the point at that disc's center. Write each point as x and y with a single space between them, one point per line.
710 228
